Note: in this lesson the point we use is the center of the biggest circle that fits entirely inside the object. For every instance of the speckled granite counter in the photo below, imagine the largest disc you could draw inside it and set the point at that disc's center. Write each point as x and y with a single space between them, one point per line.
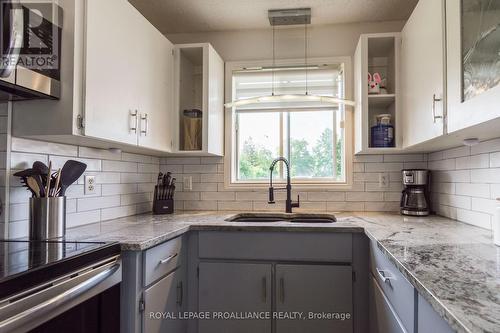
454 266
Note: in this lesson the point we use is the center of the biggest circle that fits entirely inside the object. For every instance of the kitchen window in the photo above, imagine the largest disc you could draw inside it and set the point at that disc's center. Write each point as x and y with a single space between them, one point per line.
311 135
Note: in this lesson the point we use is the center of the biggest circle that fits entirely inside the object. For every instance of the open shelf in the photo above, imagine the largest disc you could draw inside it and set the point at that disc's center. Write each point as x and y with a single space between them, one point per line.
381 101
377 53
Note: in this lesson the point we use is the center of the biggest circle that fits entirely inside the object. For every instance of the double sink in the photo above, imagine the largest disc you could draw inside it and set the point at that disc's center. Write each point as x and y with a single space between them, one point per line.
283 217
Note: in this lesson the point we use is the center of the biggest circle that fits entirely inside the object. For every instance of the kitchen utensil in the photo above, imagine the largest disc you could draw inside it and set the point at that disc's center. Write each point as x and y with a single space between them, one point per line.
49 178
32 184
26 173
57 182
70 172
41 168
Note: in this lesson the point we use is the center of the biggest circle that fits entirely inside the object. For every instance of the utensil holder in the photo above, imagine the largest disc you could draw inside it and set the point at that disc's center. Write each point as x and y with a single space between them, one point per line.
47 218
163 206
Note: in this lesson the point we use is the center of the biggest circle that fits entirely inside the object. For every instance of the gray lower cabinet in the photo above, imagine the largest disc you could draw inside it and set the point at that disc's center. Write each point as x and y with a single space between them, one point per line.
163 302
321 290
429 320
383 318
154 288
232 288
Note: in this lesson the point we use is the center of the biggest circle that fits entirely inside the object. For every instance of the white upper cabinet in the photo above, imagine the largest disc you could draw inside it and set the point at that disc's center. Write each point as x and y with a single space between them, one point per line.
117 82
423 70
112 69
128 87
199 100
472 35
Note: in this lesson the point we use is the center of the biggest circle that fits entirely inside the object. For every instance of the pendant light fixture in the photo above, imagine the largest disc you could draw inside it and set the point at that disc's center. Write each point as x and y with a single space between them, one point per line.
290 17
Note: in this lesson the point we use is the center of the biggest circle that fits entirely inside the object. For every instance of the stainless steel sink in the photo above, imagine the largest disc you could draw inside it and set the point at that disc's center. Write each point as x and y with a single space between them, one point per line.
283 217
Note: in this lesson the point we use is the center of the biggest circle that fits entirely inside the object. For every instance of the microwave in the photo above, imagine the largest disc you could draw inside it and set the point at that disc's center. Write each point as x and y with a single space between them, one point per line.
30 50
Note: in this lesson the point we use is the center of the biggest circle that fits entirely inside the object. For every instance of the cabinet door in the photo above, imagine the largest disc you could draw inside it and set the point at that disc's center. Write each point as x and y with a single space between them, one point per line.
156 90
111 68
473 89
215 126
422 54
383 318
165 297
317 289
234 288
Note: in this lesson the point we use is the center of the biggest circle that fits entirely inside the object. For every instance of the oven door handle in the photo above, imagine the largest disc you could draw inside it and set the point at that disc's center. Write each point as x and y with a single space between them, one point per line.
40 310
15 40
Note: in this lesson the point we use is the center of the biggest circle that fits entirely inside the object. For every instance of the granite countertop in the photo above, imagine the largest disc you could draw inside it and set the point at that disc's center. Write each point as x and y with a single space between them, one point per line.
454 266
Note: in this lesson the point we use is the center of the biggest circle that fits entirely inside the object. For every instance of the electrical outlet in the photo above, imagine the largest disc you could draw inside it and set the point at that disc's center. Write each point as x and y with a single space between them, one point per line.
90 185
187 183
383 180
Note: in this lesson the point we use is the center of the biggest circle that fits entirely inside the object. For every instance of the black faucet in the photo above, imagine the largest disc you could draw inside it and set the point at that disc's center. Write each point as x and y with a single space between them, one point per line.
288 188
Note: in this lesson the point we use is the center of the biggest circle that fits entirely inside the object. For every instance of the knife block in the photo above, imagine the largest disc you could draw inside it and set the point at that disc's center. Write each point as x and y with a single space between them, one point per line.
163 206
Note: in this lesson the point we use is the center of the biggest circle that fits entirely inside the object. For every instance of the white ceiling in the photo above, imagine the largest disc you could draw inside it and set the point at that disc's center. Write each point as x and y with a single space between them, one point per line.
176 16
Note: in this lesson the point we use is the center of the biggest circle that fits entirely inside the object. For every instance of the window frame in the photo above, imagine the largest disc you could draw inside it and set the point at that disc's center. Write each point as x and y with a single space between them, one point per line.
230 181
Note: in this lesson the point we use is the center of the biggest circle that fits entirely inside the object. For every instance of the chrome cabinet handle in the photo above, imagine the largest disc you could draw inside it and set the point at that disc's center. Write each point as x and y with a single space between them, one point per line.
282 290
180 293
133 122
264 290
434 100
41 310
167 259
146 122
383 276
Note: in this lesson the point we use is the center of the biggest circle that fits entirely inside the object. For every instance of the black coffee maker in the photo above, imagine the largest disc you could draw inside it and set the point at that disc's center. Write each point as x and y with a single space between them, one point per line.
415 196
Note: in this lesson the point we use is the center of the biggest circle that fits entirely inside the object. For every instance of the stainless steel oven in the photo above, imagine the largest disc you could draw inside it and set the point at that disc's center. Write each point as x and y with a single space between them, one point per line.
59 286
30 49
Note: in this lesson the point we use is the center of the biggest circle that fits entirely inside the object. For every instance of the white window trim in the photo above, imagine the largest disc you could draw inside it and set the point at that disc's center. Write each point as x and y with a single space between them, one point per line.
316 184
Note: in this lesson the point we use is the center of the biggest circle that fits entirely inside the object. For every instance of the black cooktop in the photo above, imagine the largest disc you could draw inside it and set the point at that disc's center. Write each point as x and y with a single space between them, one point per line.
25 263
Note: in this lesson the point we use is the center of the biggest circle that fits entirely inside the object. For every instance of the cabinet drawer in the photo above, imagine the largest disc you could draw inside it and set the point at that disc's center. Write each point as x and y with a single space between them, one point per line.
429 320
398 290
331 247
162 259
383 319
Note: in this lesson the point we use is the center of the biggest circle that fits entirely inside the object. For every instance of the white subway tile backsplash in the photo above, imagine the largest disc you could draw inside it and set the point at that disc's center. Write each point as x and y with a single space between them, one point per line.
20 161
116 212
113 189
495 160
224 196
369 158
473 190
92 164
130 199
98 153
42 147
235 205
383 167
476 182
95 203
81 218
119 166
486 176
478 219
486 147
345 206
405 158
326 196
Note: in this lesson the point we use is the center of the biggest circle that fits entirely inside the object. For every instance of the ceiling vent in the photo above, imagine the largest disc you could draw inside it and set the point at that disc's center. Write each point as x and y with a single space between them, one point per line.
289 16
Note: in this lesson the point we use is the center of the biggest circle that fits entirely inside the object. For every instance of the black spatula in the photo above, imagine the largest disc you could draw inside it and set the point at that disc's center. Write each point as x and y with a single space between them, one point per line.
70 172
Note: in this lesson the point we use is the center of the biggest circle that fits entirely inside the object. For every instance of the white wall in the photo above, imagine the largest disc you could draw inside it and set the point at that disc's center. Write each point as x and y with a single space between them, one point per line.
323 41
